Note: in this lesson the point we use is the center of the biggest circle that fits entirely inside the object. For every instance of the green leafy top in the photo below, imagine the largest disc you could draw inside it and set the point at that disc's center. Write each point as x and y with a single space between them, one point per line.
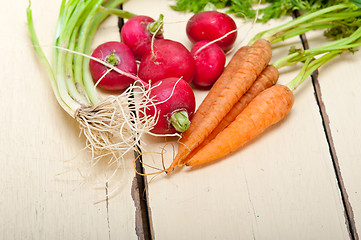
198 6
270 9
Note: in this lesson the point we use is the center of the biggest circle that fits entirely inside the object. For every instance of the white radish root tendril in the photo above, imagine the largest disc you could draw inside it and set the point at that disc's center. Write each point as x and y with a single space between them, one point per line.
153 39
113 128
215 40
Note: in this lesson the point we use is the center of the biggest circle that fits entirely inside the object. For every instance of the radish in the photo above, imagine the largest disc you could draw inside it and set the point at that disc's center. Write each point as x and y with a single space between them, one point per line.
167 58
138 31
118 55
211 25
173 105
210 60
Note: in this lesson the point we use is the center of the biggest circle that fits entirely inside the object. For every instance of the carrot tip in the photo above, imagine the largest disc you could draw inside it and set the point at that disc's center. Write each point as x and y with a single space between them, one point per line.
170 169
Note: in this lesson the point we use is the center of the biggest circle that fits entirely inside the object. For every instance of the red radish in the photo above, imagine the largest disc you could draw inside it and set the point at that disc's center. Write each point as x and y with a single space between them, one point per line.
166 59
119 55
211 25
209 60
174 102
138 31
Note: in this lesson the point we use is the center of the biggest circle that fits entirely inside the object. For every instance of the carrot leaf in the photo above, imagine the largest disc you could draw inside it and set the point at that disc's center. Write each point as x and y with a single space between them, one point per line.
270 9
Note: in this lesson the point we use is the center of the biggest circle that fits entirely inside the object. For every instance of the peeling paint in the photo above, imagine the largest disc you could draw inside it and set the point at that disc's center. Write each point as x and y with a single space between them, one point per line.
142 219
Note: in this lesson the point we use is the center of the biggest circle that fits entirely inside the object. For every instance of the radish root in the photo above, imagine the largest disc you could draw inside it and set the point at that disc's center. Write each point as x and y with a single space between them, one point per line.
112 127
153 38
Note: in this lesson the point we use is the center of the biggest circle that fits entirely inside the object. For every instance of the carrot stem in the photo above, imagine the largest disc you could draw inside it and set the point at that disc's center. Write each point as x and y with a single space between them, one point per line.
336 15
344 44
256 117
309 67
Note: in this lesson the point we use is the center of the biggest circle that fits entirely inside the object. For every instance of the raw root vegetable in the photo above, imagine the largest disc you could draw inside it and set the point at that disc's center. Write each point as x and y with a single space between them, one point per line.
268 108
212 25
212 95
138 32
209 60
173 105
113 126
334 17
165 59
266 79
110 125
118 55
257 58
216 89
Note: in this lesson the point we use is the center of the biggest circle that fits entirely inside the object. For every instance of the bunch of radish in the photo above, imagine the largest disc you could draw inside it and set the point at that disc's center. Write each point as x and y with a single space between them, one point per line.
171 99
164 60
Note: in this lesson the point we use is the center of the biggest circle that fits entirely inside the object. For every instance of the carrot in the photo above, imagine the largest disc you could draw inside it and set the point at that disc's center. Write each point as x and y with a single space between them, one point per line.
213 93
266 79
218 86
216 89
258 57
268 108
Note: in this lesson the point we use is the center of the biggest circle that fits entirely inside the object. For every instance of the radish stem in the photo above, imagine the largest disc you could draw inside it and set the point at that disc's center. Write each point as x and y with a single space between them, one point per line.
78 59
74 91
157 26
109 125
180 121
116 11
87 78
46 63
63 41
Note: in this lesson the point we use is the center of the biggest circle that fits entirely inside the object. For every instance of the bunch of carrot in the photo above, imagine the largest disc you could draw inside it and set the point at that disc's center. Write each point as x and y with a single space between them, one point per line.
246 100
222 122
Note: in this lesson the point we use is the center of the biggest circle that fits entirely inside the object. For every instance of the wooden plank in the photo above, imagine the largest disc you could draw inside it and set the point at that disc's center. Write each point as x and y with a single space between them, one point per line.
280 186
338 89
43 195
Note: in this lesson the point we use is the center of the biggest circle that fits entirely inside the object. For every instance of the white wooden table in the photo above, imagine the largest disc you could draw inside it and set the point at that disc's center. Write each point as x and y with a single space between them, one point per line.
298 180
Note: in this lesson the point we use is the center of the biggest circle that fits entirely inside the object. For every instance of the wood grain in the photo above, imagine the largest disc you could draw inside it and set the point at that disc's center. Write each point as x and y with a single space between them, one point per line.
46 192
337 100
280 186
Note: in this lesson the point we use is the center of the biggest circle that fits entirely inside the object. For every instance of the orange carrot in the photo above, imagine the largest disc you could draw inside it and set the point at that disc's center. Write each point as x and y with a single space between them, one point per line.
213 93
266 79
218 86
258 57
268 108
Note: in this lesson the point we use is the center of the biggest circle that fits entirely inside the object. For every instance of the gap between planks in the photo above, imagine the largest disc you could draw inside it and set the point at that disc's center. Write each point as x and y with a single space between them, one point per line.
349 216
139 187
143 225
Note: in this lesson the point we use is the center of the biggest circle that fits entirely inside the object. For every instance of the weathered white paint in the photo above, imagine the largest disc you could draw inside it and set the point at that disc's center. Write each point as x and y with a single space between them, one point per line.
280 186
340 86
43 195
